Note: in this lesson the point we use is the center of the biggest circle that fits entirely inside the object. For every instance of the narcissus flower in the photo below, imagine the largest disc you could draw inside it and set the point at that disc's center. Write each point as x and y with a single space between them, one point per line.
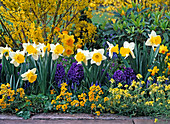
32 49
68 51
68 40
163 49
56 50
127 48
97 56
154 70
4 51
153 40
44 48
30 75
82 56
17 57
112 49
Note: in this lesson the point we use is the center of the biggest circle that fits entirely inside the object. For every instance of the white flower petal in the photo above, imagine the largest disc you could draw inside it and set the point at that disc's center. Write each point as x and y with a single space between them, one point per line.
126 44
33 70
132 46
153 33
133 56
55 56
35 56
148 43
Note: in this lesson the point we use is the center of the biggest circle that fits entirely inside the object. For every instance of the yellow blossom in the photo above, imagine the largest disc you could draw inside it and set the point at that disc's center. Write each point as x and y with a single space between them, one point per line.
30 75
154 70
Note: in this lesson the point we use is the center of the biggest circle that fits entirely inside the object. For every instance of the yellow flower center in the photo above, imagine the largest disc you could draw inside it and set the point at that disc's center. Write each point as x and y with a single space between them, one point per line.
80 57
152 40
115 49
97 57
68 51
124 51
47 47
5 52
58 49
31 50
69 41
19 58
31 77
157 40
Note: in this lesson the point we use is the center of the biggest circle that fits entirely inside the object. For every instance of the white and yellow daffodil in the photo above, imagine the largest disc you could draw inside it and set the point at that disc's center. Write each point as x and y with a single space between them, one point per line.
82 56
44 48
97 56
32 49
154 40
56 50
129 46
112 49
5 51
30 75
17 57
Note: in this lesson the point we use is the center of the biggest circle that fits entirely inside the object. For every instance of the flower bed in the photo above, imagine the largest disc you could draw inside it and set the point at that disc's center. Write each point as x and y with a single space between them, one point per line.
73 66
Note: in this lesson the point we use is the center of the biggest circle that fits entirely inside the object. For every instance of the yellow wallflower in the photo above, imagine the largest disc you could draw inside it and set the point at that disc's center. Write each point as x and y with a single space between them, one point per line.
98 113
106 99
163 49
93 106
139 76
154 70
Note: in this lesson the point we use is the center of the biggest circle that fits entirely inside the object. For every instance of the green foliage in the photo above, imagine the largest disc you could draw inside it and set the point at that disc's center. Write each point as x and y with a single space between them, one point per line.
144 59
93 73
135 25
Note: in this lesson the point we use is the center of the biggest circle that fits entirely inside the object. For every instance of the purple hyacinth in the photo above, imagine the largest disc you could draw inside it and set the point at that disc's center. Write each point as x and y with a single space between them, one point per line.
130 75
60 73
119 76
75 73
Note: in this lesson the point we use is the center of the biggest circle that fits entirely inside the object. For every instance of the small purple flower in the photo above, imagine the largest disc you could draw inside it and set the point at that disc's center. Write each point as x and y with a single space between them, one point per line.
76 73
114 55
113 64
119 76
60 73
130 75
